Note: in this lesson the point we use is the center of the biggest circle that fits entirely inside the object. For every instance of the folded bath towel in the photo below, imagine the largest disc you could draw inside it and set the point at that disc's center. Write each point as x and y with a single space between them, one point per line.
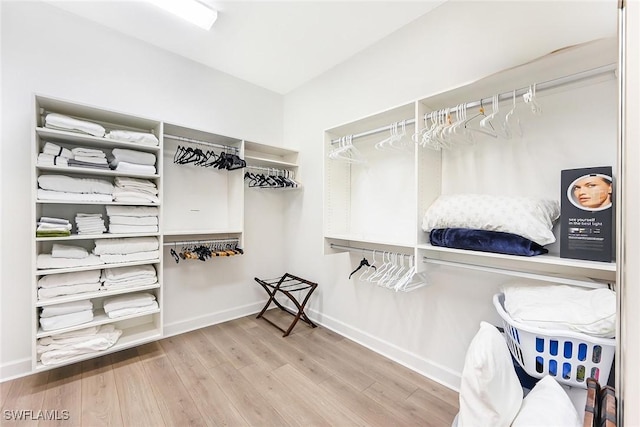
56 150
139 299
73 197
88 152
45 261
91 160
132 310
67 279
127 167
125 195
131 283
66 308
137 137
68 251
66 320
69 335
133 220
68 184
62 122
138 183
45 226
131 229
137 256
125 273
49 160
132 156
58 291
126 245
133 210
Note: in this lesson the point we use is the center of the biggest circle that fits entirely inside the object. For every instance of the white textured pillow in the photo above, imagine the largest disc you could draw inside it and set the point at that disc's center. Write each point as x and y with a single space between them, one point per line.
547 405
490 392
525 216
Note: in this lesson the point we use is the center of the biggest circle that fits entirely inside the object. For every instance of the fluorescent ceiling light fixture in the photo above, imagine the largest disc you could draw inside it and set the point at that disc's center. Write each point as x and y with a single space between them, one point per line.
191 10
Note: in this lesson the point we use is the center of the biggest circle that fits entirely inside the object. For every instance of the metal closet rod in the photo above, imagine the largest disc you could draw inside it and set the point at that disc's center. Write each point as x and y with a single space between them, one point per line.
355 249
197 141
202 242
262 168
374 131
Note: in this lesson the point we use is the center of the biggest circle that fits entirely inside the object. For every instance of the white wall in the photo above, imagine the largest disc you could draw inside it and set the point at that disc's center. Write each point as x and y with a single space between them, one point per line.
458 43
50 52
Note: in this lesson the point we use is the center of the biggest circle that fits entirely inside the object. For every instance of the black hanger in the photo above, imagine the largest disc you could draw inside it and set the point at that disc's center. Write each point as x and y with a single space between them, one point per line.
363 262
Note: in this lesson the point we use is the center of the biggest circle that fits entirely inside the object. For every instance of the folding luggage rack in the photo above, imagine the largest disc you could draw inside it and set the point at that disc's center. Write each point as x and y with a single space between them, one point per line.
287 284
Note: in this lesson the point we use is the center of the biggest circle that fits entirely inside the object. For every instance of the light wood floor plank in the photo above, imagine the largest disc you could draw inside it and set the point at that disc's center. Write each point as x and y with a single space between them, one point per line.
208 353
64 393
235 353
99 393
25 394
440 409
261 350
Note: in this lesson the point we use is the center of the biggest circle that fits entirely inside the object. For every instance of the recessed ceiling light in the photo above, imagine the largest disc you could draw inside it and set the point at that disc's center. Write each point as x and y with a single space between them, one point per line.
191 10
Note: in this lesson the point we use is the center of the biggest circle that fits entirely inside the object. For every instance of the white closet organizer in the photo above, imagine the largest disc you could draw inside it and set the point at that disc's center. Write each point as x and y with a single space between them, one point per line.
137 328
267 159
378 199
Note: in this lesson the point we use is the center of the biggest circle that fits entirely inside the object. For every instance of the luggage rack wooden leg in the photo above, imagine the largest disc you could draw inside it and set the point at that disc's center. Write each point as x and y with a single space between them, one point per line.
287 284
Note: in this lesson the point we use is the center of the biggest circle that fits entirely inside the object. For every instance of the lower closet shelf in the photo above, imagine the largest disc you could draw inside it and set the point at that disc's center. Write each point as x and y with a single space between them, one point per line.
99 318
90 295
95 267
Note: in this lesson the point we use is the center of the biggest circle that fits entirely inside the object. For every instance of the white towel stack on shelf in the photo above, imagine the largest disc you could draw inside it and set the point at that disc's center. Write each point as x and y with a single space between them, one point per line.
62 187
66 123
126 305
53 227
63 347
141 138
90 223
67 256
56 285
112 251
89 158
54 155
128 277
134 190
133 219
132 161
65 315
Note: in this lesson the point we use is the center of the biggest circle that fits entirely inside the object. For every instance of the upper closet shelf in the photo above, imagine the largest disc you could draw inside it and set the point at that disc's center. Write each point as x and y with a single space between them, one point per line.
370 240
267 162
59 136
202 232
94 236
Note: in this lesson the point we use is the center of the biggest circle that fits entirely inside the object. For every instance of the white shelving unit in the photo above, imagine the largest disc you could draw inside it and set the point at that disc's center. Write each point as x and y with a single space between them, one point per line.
137 328
263 157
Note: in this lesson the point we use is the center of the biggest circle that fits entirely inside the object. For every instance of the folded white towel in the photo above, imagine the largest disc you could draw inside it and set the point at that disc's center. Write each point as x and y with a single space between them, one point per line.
125 195
50 160
132 229
56 150
138 299
67 279
51 220
91 160
138 256
88 231
126 245
62 122
66 308
132 310
45 261
74 185
132 156
124 273
51 227
133 220
88 152
134 168
58 291
128 182
131 283
130 136
73 197
66 320
68 251
133 210
93 345
82 335
590 311
88 215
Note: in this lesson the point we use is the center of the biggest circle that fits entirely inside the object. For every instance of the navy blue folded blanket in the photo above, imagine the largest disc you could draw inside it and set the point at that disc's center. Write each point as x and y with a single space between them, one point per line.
485 241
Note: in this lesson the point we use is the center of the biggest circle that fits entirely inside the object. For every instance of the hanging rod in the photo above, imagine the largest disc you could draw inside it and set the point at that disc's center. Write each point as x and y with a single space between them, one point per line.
262 168
374 131
523 274
202 242
355 249
197 141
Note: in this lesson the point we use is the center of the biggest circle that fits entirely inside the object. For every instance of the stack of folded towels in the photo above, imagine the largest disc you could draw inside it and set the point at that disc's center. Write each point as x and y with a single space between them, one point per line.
56 285
128 277
112 251
63 347
66 123
89 158
67 314
53 227
62 187
54 155
67 256
90 223
142 138
132 161
126 305
133 190
132 219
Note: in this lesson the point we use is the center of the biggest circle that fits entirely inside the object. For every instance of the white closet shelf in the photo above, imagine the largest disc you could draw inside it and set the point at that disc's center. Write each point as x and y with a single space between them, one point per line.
95 236
548 263
90 295
95 267
201 232
99 318
131 337
370 240
60 136
71 202
90 171
266 162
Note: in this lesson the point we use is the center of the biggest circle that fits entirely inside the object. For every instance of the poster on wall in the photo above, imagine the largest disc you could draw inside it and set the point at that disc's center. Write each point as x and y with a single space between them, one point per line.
587 214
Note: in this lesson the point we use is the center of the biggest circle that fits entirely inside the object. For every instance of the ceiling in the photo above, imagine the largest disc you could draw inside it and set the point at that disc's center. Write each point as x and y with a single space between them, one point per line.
278 45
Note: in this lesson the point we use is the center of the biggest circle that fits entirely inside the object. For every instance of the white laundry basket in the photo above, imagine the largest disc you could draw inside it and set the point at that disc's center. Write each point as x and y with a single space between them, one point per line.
570 357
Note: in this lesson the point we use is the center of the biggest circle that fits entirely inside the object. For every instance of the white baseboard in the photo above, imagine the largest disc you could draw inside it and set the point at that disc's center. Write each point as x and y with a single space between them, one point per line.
425 367
15 369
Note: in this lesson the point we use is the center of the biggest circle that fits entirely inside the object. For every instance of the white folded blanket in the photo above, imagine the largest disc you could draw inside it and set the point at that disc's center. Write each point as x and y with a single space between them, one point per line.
56 150
124 229
132 156
133 210
93 345
139 299
562 307
50 160
66 320
128 182
66 308
74 185
67 279
68 251
47 261
131 283
125 273
88 152
51 220
137 256
73 197
62 122
125 195
133 220
82 335
132 310
58 291
142 138
49 226
134 168
126 245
